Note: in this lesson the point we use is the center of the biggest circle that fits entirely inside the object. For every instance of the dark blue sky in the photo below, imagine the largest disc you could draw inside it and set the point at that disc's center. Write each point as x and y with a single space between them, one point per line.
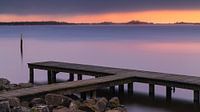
71 7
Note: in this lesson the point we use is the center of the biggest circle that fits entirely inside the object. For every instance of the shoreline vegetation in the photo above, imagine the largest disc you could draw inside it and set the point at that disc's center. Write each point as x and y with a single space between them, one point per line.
133 22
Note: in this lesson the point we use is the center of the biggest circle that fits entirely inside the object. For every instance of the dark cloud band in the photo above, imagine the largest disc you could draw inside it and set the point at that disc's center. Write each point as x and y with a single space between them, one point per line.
70 7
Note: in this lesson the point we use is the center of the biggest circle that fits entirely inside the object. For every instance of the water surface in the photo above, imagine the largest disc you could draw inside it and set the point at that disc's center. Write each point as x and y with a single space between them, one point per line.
161 48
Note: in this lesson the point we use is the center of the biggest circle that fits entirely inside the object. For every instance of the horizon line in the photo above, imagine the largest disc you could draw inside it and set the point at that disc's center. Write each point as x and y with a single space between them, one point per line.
136 21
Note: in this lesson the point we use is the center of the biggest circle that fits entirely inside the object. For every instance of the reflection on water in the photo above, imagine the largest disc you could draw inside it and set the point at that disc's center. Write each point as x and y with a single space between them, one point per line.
158 49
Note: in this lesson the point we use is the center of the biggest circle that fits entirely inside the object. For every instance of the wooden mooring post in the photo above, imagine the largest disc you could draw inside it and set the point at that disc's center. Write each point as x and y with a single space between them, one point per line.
21 48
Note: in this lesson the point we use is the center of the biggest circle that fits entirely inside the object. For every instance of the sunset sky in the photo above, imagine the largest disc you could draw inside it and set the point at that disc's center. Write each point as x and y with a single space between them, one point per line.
87 11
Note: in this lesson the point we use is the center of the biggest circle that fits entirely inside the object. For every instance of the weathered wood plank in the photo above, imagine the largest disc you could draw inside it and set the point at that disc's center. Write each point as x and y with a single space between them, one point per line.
71 87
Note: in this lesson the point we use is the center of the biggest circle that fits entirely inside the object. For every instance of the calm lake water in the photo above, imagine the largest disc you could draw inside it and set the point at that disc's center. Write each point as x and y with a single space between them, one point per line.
161 48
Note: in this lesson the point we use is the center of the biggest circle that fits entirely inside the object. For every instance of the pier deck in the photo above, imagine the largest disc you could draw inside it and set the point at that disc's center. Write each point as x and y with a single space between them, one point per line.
106 77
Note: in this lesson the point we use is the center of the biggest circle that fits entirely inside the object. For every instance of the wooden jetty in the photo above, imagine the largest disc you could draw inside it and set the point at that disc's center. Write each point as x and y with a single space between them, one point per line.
105 77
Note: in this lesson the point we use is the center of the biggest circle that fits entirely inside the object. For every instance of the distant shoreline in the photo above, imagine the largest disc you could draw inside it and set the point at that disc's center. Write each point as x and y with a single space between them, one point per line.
102 23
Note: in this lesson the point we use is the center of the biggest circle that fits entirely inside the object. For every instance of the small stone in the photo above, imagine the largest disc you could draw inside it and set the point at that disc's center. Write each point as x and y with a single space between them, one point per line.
74 105
14 102
25 85
56 100
114 102
41 108
37 101
5 106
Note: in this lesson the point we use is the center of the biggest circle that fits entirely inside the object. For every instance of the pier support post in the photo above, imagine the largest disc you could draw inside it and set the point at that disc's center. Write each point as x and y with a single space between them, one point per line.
71 77
112 90
121 89
83 95
53 76
80 76
97 76
93 94
196 97
31 77
168 93
152 90
49 75
130 88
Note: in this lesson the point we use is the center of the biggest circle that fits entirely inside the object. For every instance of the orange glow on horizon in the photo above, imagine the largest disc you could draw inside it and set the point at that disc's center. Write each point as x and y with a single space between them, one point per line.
161 16
172 47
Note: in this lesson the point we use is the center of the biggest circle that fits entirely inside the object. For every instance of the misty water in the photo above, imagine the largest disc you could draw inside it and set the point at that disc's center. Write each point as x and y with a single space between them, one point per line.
161 48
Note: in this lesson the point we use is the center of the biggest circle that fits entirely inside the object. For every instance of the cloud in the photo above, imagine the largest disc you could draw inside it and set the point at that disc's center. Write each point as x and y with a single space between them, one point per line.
81 7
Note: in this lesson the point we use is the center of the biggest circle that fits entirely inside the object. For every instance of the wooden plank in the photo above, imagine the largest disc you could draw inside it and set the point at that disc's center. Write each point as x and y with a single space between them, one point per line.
76 68
109 70
70 87
163 78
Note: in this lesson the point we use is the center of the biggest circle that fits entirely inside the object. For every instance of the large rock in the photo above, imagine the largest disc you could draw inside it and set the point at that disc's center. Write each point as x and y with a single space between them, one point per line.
41 108
37 101
90 102
21 109
114 102
4 81
58 100
101 104
89 105
5 106
14 102
74 105
4 84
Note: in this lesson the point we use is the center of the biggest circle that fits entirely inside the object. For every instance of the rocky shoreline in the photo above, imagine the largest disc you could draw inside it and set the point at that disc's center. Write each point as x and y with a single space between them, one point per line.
56 102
